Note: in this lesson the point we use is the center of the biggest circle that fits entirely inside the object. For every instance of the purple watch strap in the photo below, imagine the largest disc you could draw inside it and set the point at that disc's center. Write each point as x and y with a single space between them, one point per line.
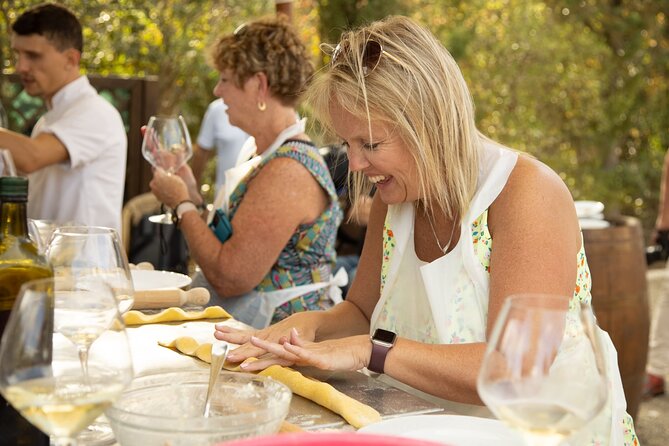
378 358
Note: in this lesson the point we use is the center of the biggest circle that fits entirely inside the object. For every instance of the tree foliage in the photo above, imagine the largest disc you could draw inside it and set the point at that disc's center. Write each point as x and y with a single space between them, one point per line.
582 85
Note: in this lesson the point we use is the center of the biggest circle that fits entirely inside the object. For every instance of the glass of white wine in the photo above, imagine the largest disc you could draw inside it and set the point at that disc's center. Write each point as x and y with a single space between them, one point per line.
167 146
41 374
543 372
92 253
87 254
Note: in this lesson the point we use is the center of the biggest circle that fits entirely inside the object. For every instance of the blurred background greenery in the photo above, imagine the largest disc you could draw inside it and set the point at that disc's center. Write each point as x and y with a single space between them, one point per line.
580 84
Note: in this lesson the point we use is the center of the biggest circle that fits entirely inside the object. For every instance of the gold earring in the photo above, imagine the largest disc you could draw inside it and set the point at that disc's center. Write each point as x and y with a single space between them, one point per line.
262 106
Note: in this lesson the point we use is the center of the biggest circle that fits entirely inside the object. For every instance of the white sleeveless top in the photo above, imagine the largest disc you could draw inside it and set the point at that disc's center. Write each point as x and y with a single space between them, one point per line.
444 301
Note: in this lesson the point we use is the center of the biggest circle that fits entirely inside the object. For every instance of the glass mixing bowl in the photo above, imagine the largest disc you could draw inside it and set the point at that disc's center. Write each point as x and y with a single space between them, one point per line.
166 409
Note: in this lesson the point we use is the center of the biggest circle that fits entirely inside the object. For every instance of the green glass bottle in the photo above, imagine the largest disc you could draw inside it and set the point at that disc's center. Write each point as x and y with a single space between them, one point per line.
20 262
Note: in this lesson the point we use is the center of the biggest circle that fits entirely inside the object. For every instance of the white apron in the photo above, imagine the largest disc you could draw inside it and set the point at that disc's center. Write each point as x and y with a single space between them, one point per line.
256 308
464 316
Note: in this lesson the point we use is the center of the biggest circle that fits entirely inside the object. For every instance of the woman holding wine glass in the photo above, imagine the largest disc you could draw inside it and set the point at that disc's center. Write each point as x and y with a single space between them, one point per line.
167 146
269 249
458 224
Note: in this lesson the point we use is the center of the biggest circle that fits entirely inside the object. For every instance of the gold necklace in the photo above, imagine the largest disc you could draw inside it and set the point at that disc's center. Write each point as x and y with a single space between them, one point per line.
450 239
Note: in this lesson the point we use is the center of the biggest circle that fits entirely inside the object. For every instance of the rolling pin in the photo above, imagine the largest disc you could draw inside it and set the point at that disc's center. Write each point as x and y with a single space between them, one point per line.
170 297
142 266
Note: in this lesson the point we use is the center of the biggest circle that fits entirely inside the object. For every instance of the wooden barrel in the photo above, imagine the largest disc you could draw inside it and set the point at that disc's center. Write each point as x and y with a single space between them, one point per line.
616 256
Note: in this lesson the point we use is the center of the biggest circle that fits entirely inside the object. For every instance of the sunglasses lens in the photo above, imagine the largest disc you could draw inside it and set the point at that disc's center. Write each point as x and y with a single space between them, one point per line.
371 55
335 53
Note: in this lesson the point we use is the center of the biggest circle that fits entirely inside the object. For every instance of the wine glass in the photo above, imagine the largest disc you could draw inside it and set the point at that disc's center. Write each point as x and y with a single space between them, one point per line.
80 314
79 252
543 372
40 370
166 146
84 254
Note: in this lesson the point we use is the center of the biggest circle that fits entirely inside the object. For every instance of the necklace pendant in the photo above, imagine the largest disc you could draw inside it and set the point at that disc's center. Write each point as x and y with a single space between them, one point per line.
448 245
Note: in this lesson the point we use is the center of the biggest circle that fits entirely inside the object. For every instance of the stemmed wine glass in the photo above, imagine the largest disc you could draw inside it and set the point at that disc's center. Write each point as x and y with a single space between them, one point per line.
166 146
80 252
40 369
543 372
80 314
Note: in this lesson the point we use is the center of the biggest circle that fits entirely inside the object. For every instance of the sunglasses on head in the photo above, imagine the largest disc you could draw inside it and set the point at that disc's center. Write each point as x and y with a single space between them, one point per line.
244 27
239 30
371 55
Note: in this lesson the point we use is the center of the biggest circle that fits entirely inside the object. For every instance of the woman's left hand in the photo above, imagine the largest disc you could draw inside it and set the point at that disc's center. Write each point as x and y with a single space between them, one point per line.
351 353
169 189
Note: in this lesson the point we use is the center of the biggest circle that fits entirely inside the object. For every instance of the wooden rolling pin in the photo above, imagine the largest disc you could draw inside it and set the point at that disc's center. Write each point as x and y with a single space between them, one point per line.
142 266
170 297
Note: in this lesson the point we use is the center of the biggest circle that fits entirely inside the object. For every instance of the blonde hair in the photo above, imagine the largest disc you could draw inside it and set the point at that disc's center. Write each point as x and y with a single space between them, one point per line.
418 90
269 45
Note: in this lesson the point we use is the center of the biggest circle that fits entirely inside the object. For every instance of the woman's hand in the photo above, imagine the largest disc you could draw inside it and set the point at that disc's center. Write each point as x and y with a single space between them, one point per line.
169 189
186 174
305 324
351 353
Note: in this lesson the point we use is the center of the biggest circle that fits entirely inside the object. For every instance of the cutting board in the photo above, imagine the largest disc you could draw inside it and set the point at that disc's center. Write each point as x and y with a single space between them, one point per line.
387 400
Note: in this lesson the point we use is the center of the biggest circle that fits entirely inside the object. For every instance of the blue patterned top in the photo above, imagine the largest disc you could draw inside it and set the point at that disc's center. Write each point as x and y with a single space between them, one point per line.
310 254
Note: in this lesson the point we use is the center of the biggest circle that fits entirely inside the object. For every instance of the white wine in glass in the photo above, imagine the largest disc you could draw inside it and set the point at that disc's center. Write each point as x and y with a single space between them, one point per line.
84 255
543 372
167 146
40 368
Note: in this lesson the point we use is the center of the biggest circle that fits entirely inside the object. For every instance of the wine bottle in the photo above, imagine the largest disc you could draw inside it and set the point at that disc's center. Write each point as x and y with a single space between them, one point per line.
20 262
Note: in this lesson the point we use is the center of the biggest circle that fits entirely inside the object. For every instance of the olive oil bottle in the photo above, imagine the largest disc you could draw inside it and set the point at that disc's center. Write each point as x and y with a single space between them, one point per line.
20 262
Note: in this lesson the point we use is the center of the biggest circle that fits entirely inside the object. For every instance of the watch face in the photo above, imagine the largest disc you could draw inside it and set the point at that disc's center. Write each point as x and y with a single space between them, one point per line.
385 336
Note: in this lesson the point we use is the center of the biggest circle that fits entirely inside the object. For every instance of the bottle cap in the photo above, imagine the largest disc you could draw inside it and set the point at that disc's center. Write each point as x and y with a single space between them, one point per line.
13 186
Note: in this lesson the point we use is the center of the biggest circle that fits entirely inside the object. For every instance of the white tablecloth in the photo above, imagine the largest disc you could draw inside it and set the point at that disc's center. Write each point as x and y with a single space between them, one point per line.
149 357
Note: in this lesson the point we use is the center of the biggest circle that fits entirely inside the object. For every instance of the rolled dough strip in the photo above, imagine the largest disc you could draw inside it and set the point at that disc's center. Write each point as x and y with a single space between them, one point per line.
174 314
353 411
189 346
287 428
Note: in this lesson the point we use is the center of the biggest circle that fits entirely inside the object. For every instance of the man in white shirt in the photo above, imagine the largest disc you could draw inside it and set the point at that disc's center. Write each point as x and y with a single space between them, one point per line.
217 132
76 155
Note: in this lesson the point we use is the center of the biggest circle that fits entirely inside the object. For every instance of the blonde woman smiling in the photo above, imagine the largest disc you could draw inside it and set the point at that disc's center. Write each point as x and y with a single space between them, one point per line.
458 223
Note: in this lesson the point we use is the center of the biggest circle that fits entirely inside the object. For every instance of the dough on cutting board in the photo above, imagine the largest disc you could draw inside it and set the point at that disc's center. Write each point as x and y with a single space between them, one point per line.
174 314
353 411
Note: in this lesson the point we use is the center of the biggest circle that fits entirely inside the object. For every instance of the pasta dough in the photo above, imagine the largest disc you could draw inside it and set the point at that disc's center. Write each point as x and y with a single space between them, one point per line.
189 346
353 411
174 314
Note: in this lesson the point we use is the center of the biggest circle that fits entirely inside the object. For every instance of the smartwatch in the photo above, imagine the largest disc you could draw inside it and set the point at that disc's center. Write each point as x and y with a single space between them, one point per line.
382 342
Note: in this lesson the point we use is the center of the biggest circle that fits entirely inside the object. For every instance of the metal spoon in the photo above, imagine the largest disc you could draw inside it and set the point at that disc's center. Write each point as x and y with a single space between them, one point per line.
219 351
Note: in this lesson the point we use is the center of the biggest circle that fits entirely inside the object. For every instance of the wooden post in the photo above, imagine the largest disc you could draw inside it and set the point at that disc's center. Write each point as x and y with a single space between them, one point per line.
284 7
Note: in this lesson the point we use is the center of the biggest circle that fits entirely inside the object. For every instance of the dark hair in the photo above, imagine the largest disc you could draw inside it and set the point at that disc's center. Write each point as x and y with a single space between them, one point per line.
270 45
55 22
